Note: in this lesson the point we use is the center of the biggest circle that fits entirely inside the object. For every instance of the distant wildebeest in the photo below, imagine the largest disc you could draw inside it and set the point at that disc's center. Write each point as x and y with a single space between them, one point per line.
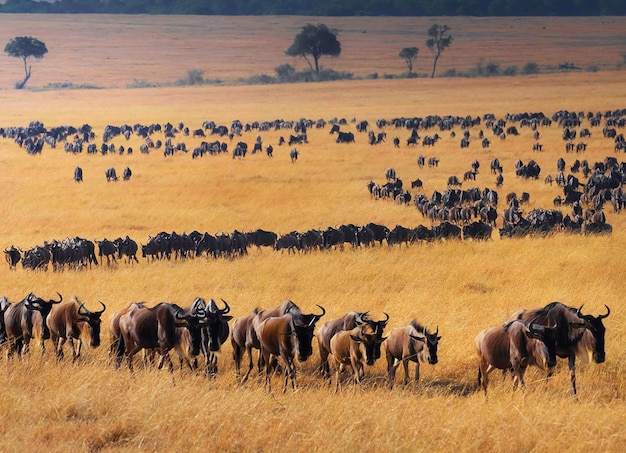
111 175
78 174
13 256
410 343
293 154
127 174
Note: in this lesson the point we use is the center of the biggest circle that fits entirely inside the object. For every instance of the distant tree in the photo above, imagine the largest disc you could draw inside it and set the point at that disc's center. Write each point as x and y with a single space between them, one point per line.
438 42
409 54
315 41
25 47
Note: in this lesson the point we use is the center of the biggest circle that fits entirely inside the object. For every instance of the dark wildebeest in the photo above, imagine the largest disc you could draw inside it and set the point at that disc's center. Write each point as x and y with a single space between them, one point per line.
155 328
65 322
13 256
127 247
577 334
111 175
214 333
352 348
515 345
293 154
262 238
127 174
380 232
78 174
26 320
107 248
417 184
410 343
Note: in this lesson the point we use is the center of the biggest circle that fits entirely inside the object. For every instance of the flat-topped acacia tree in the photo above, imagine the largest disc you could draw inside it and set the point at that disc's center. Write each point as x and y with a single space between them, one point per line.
25 47
315 41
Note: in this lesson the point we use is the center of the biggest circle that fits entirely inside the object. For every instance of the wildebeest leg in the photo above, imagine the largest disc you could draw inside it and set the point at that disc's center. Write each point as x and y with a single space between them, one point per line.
324 366
417 371
58 344
392 366
571 363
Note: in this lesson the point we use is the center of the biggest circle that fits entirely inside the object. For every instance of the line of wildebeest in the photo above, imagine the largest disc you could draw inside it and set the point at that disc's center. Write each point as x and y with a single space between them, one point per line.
283 333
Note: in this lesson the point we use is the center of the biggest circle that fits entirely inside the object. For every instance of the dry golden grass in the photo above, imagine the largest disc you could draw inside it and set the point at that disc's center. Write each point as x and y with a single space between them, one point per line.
461 287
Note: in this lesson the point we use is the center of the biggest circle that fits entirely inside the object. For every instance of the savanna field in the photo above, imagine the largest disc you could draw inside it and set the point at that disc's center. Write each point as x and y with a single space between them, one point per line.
459 287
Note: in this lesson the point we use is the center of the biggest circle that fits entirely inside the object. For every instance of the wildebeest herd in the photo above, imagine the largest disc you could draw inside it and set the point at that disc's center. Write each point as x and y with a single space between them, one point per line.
284 334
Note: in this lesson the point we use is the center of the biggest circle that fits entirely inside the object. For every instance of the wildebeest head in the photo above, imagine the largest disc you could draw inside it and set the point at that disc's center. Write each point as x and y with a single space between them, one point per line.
93 321
33 302
371 342
595 325
431 341
304 326
217 324
194 323
378 328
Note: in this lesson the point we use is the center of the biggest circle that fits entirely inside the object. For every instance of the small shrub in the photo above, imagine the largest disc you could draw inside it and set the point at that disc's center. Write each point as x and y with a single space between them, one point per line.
450 73
530 68
492 69
510 71
141 83
593 68
372 76
194 77
285 72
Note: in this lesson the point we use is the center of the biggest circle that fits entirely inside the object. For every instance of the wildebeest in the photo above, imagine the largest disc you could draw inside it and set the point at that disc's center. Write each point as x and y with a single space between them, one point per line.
283 337
25 320
127 174
78 174
155 328
352 348
107 248
577 334
214 333
244 336
114 325
13 256
65 322
293 154
127 247
110 174
262 238
516 345
410 343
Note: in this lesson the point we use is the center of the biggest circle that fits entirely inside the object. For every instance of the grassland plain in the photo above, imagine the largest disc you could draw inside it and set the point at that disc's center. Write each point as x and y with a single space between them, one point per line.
460 287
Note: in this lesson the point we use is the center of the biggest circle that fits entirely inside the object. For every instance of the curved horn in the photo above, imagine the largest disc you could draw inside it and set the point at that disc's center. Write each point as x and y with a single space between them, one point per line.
226 307
437 330
82 310
386 317
104 307
579 311
179 316
324 312
57 301
608 312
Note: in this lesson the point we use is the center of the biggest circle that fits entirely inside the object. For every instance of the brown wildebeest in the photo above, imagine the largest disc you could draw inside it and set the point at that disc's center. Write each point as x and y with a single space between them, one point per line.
577 334
114 324
65 322
26 320
352 348
155 328
283 337
410 343
347 322
515 345
244 336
